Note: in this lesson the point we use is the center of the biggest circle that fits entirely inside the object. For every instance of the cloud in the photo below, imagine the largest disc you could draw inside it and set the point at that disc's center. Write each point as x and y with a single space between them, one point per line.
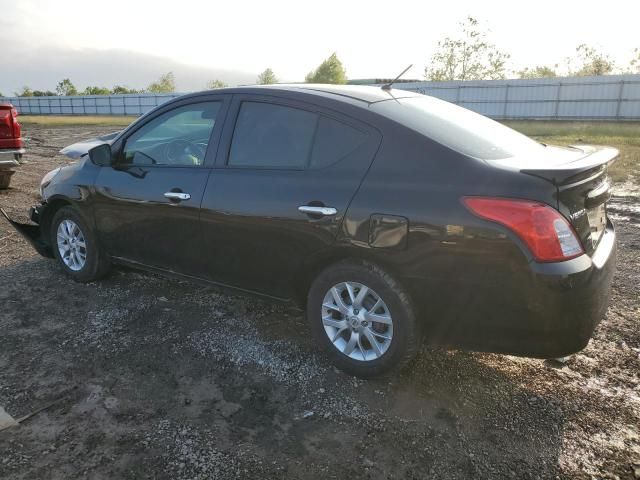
42 67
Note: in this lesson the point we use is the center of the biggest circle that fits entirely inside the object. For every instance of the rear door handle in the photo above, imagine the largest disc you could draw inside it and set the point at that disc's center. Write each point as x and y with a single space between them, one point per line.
177 196
320 211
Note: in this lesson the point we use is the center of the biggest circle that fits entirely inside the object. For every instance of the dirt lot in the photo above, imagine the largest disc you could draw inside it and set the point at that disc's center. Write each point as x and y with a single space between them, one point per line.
163 379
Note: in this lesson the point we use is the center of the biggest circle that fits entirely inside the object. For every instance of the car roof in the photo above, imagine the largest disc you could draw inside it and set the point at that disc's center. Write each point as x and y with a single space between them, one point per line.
354 93
367 94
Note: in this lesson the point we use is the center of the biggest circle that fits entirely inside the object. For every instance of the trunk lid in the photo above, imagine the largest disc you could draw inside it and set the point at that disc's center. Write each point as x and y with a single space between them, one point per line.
580 175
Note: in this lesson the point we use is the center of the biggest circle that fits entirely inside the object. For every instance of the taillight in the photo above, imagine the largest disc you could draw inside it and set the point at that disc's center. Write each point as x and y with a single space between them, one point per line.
547 233
10 129
5 120
17 128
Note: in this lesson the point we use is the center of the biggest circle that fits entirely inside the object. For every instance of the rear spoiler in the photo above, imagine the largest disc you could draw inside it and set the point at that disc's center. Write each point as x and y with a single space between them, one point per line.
596 159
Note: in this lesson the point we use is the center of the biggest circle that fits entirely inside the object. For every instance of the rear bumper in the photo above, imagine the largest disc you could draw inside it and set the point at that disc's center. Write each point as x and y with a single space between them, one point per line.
551 313
9 156
11 152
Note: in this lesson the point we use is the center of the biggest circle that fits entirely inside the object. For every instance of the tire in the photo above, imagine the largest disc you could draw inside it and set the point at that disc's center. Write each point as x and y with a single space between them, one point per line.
397 342
5 178
95 264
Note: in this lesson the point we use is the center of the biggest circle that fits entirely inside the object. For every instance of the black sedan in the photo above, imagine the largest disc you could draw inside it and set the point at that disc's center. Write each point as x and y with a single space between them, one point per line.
391 217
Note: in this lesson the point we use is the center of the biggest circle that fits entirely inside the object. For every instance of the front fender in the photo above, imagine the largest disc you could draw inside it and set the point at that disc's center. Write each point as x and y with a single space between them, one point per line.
73 185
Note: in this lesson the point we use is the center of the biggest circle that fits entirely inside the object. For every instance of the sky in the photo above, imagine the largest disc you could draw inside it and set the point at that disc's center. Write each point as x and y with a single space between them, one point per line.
132 42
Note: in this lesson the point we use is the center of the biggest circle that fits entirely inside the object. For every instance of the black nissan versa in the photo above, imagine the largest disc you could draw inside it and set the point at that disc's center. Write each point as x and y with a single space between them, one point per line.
392 217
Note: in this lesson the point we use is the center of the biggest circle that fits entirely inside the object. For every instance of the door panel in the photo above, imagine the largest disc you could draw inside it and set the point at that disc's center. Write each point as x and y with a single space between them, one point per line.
147 206
254 235
137 222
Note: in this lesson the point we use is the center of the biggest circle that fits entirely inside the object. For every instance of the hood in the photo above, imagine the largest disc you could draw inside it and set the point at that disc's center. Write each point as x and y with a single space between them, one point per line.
80 149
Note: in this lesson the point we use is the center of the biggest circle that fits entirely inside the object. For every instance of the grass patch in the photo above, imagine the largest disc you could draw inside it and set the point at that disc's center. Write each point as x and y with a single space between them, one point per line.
542 128
625 136
75 120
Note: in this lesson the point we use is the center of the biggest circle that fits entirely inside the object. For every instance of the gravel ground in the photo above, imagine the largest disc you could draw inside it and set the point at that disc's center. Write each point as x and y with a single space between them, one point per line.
157 378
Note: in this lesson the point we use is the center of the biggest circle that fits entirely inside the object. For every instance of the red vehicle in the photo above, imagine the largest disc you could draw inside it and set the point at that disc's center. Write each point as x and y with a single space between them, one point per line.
11 143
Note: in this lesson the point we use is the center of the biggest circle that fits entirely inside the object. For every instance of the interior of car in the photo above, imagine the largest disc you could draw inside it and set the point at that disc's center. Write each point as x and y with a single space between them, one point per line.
176 138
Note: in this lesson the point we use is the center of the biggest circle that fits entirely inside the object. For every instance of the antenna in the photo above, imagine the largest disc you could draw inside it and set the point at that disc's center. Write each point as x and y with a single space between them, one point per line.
387 86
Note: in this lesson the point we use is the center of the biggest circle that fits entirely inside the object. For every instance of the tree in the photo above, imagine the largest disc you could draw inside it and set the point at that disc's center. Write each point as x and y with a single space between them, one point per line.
468 56
123 90
96 91
329 71
635 61
213 84
497 62
591 61
65 87
267 78
541 71
44 93
165 84
24 92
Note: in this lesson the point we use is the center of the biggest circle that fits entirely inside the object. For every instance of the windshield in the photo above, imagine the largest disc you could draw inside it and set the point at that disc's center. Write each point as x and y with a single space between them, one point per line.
460 129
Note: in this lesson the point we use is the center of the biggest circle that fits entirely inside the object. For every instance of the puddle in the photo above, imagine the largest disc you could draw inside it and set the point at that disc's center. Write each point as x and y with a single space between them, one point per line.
626 189
624 205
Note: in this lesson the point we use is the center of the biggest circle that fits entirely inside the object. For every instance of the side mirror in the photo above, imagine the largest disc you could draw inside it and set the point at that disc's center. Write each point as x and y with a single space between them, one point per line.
101 155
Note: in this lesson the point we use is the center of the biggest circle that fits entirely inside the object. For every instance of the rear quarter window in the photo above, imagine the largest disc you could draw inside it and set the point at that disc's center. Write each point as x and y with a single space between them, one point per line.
334 141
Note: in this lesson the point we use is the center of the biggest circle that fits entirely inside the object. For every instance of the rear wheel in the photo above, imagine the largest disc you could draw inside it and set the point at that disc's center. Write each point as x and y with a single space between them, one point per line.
363 319
76 248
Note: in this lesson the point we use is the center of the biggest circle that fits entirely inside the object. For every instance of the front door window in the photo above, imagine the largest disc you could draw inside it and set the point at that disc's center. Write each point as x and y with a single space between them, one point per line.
176 138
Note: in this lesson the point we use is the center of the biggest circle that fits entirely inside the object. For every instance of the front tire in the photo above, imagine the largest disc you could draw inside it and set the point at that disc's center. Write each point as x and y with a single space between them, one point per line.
76 248
363 319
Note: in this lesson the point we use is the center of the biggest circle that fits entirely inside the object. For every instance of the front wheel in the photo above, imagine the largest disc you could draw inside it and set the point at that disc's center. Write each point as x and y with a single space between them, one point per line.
76 248
363 319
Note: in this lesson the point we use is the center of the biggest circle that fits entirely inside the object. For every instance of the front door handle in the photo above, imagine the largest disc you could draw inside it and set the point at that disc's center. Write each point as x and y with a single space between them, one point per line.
319 211
177 196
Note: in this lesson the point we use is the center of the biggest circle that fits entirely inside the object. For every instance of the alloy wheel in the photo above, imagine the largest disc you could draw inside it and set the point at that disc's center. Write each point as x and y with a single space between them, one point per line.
72 245
357 321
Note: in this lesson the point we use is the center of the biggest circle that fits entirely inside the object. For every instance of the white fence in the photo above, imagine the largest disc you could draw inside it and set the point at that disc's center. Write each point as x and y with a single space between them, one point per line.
131 104
610 97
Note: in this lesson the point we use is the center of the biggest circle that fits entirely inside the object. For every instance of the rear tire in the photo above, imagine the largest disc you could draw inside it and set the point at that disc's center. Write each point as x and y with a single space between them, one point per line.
375 308
76 248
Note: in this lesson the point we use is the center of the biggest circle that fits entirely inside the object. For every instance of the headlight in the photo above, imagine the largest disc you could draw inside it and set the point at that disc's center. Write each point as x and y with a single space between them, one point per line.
46 180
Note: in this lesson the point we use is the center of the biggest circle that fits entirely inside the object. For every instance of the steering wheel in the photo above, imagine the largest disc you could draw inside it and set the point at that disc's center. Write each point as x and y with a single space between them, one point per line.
184 152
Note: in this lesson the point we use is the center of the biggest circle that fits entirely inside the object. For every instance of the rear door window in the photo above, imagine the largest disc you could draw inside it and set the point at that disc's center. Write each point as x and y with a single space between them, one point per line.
276 136
272 136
